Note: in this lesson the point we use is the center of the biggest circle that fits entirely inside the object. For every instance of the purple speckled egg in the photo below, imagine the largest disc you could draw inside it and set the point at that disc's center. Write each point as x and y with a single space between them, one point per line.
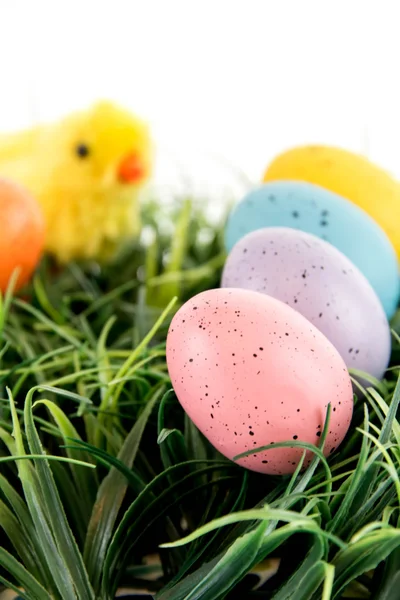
317 280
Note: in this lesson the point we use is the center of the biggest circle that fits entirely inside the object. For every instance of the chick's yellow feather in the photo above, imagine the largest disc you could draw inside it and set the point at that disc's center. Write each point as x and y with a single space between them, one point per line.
86 171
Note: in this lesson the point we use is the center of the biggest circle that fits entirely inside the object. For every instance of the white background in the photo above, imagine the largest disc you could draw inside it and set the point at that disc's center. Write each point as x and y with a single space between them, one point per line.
239 80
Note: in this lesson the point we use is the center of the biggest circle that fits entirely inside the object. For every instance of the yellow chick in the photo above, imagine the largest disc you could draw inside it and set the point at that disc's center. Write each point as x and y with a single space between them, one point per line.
86 171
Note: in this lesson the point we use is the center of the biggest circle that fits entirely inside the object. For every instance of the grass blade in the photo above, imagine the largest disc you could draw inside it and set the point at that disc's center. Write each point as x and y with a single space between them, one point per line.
363 556
85 480
110 496
303 572
17 537
24 578
61 584
55 512
216 578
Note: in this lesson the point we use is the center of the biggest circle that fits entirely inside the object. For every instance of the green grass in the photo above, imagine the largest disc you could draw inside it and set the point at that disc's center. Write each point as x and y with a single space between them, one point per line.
105 483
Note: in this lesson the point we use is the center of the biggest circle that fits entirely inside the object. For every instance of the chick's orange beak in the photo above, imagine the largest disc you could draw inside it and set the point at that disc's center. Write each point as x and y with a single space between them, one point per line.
131 169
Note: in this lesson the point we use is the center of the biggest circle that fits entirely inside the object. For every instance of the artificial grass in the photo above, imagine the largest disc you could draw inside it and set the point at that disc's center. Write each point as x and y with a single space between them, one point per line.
102 475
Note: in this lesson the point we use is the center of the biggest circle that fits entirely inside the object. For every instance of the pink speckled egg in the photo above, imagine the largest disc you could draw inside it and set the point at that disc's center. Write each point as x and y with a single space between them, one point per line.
321 283
250 371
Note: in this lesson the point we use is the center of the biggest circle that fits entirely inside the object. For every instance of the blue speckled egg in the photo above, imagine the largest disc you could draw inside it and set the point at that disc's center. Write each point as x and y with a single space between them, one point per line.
331 217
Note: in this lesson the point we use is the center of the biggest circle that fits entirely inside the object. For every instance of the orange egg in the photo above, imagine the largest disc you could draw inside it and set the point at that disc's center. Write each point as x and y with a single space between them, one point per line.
22 232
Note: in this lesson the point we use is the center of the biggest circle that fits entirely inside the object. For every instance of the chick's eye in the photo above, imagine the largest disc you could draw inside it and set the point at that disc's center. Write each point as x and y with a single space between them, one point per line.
82 150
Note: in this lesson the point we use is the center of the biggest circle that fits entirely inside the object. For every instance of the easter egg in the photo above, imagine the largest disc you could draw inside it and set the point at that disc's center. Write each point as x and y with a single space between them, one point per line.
251 371
22 233
317 280
350 175
331 217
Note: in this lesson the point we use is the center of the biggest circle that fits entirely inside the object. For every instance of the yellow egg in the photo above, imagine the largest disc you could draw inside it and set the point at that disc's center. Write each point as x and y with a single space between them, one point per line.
347 174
